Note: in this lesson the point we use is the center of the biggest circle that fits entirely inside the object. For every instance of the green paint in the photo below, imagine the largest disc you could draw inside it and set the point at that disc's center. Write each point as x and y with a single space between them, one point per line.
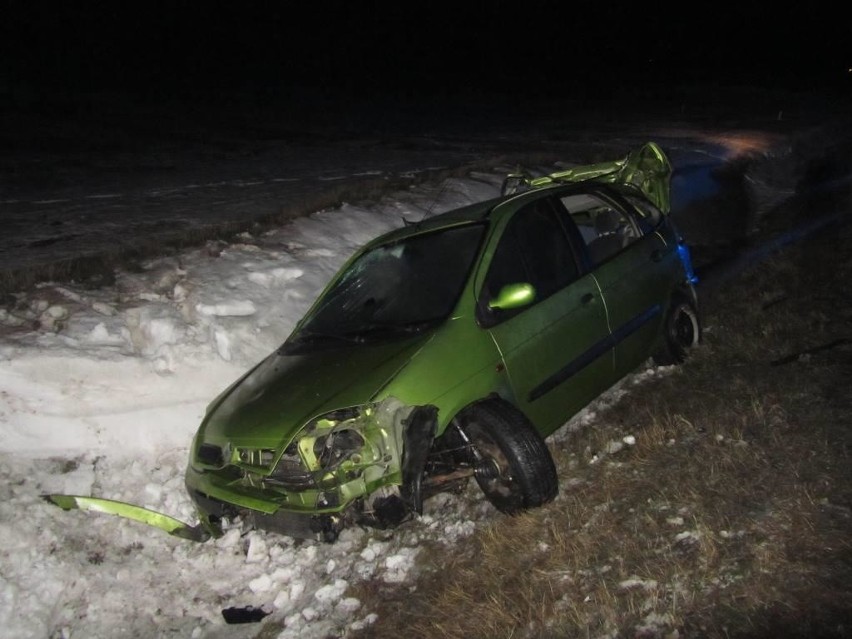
129 511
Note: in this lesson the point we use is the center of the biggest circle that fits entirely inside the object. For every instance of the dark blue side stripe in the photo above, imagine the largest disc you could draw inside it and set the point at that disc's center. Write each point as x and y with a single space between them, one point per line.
587 357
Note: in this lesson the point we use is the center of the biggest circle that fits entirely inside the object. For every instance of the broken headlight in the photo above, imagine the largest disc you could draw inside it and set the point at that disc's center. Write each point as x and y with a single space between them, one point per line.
338 446
343 446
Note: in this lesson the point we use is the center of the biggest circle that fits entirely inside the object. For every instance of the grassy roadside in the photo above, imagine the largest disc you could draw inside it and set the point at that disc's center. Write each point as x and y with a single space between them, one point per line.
730 516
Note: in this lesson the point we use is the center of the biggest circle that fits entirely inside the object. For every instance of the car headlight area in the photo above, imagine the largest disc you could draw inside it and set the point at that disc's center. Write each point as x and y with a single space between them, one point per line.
343 454
332 461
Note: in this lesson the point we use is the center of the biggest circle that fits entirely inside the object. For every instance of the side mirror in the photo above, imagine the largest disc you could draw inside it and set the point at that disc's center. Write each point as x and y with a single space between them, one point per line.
513 296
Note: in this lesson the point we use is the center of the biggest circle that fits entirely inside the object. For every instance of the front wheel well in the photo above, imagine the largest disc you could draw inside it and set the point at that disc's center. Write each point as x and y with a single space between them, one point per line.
494 442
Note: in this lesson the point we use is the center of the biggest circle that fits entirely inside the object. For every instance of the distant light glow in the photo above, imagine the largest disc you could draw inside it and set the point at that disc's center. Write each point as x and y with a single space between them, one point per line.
744 142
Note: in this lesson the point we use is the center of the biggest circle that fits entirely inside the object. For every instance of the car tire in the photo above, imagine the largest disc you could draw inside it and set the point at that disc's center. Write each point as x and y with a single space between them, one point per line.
681 333
512 463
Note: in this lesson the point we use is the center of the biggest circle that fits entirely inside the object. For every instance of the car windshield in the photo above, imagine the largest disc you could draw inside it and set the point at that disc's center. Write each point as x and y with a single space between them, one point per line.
395 289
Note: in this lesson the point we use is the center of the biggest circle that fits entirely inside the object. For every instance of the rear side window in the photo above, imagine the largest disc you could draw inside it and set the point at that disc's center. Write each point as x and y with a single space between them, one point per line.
534 249
605 228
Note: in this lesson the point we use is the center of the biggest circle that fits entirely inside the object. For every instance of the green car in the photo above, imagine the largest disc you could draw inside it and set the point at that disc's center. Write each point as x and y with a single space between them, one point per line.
449 349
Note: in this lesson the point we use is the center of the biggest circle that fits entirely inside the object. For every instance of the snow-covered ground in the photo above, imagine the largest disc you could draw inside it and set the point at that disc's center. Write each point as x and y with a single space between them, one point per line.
100 394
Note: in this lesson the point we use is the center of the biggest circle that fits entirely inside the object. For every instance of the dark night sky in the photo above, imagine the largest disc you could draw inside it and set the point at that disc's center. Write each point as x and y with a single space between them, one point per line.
214 49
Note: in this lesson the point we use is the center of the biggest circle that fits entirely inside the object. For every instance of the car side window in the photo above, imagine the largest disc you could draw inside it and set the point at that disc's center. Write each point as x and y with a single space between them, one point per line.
533 249
605 228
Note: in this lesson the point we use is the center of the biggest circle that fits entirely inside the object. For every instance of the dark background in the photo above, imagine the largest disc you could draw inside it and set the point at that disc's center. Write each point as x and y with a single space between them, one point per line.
216 52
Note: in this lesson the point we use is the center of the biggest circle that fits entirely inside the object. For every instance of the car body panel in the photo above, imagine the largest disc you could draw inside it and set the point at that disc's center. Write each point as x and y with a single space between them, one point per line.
543 347
647 168
312 384
461 359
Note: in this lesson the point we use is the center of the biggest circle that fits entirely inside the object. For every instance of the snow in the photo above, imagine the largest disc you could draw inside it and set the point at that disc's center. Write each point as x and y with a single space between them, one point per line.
100 394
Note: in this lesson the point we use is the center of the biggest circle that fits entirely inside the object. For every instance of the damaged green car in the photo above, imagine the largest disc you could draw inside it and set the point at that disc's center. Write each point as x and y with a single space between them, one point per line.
448 350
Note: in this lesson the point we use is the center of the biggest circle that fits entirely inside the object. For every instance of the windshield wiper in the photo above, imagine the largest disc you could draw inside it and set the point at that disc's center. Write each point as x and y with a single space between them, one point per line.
381 328
311 337
358 335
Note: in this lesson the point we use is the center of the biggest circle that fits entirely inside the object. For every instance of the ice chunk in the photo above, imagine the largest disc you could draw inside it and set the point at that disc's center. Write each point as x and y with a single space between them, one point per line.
233 308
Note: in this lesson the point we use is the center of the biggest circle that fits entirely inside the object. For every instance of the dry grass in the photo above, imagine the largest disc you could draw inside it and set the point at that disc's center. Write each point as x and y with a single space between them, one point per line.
731 516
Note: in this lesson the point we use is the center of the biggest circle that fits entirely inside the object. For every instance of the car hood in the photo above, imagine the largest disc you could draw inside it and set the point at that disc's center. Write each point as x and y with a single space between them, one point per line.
268 406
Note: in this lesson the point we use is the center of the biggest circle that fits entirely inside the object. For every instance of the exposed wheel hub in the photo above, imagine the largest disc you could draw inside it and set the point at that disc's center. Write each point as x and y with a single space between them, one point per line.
488 469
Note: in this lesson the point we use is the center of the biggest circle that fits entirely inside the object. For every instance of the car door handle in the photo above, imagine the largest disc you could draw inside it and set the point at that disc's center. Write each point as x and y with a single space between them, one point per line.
656 255
588 298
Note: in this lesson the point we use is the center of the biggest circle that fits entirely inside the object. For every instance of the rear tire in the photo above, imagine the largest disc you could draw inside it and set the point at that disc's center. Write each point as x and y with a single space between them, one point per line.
512 463
682 332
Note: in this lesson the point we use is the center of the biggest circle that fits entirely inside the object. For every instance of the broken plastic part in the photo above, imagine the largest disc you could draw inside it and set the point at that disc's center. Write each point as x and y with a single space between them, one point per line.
169 524
647 168
420 428
248 614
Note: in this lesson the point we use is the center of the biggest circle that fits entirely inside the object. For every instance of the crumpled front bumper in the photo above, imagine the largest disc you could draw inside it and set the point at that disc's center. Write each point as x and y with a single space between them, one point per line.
301 525
396 440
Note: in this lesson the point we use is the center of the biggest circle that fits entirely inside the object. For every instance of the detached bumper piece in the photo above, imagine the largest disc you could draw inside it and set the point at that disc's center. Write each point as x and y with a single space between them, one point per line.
169 524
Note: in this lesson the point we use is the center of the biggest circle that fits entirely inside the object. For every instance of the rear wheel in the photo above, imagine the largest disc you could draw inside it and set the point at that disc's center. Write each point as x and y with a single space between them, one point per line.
682 333
511 461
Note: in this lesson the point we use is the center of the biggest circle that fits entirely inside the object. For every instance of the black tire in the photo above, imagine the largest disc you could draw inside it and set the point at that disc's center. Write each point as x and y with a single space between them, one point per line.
512 462
682 332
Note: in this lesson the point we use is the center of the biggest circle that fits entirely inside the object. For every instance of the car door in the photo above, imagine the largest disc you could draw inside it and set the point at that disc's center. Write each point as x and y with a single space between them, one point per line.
631 264
556 349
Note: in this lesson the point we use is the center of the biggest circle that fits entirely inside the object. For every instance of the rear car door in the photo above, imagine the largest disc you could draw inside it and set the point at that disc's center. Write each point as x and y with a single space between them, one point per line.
631 263
556 350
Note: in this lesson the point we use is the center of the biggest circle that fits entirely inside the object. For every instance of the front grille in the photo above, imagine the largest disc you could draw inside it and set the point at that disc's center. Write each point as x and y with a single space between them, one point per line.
261 457
210 454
